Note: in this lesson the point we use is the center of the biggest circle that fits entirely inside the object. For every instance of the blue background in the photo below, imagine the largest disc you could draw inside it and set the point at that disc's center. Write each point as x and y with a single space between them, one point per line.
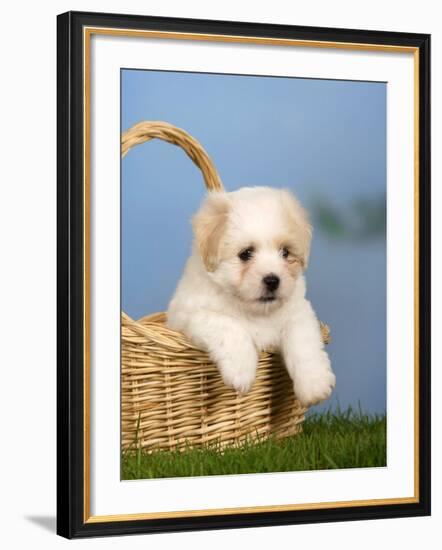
325 140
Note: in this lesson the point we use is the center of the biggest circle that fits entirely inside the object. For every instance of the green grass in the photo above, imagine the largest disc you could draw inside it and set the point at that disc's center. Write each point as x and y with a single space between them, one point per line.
342 439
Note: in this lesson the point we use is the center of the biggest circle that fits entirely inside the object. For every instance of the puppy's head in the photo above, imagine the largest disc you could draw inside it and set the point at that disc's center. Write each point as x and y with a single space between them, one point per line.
254 243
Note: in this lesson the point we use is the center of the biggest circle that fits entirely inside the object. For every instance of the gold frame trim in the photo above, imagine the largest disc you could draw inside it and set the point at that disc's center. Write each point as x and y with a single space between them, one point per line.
87 33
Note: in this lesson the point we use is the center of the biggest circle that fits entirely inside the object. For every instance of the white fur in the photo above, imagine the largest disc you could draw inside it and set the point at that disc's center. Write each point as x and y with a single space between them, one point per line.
218 302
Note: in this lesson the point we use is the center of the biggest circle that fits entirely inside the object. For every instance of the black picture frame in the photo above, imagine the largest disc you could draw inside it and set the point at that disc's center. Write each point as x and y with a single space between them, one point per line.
72 520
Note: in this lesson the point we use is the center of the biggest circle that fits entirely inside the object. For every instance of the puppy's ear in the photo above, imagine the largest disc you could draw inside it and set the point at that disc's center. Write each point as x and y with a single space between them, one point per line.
208 227
299 226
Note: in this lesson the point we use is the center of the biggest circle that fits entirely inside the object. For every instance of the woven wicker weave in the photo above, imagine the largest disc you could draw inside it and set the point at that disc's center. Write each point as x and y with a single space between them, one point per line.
172 394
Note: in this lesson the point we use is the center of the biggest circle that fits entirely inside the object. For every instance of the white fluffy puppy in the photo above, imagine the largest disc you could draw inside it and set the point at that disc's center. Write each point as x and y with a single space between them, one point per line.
243 290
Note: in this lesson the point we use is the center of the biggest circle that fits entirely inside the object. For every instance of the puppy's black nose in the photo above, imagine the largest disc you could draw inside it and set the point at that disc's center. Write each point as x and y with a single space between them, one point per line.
271 282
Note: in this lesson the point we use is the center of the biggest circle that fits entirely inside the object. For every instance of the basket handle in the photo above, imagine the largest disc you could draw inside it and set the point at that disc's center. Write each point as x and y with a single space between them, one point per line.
147 130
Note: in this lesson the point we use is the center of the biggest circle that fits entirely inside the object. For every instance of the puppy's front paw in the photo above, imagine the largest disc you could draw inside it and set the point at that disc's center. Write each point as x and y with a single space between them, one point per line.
315 382
239 371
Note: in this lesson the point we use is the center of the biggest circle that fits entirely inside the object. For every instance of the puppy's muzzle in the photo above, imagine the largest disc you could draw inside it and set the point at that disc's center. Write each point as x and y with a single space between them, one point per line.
271 282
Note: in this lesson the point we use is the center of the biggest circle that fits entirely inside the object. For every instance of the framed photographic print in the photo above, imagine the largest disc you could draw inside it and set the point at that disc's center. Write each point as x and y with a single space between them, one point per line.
243 274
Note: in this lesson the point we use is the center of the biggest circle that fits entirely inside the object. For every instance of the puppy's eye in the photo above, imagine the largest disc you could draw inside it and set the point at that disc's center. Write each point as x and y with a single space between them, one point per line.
246 254
285 252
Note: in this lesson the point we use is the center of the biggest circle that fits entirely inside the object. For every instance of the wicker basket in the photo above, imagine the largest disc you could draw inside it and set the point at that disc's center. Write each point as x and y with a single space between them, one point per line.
172 394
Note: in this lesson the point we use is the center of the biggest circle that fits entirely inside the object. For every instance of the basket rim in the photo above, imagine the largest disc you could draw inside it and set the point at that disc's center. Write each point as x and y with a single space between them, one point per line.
154 328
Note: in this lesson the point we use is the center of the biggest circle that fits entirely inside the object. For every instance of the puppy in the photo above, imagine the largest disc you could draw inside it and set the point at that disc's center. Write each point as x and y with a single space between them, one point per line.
243 290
